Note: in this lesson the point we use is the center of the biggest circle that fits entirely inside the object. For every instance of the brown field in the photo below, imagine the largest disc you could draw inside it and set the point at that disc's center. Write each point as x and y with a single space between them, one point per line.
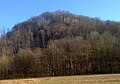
85 79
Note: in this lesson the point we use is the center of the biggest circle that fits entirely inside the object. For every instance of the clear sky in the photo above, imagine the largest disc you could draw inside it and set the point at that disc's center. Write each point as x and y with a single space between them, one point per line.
15 11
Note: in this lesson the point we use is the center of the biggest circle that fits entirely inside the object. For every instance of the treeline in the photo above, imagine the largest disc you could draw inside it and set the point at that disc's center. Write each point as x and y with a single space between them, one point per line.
59 44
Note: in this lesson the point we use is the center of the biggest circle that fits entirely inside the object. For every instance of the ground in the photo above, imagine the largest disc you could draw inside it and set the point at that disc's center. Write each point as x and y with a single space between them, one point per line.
84 79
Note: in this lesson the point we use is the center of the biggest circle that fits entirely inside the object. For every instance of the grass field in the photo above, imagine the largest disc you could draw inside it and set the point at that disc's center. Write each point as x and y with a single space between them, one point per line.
85 79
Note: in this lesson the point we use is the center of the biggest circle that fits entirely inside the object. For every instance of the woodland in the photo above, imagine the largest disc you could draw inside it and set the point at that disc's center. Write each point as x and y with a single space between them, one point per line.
60 44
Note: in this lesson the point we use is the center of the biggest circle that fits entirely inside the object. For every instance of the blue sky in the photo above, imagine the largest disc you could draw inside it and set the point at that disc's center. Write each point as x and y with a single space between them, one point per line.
15 11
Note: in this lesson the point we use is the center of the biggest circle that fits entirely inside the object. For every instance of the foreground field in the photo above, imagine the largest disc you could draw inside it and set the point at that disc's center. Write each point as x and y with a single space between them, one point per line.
88 79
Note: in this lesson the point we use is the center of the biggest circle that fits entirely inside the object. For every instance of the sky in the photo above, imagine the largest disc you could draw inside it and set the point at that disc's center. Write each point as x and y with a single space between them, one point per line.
16 11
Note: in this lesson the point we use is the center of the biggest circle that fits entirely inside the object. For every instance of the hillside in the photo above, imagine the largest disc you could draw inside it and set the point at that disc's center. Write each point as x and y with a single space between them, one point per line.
37 31
60 44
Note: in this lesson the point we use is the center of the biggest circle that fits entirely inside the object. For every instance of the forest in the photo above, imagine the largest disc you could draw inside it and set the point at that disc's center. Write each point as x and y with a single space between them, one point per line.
60 44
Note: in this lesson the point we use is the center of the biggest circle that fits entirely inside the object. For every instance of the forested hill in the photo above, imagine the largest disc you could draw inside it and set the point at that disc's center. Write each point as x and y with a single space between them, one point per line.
60 43
37 31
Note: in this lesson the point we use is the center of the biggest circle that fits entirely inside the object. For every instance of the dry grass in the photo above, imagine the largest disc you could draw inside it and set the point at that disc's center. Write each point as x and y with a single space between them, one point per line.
88 79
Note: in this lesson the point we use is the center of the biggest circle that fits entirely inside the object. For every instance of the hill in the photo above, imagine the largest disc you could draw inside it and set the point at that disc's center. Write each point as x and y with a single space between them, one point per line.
58 44
37 31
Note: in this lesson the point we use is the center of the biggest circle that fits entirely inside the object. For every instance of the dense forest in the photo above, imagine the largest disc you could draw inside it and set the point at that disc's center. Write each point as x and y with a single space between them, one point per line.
58 44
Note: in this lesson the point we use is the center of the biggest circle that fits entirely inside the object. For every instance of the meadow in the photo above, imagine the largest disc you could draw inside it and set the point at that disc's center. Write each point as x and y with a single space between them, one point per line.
84 79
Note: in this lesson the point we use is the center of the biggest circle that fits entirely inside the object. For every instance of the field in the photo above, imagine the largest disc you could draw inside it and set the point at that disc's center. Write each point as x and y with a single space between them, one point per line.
85 79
